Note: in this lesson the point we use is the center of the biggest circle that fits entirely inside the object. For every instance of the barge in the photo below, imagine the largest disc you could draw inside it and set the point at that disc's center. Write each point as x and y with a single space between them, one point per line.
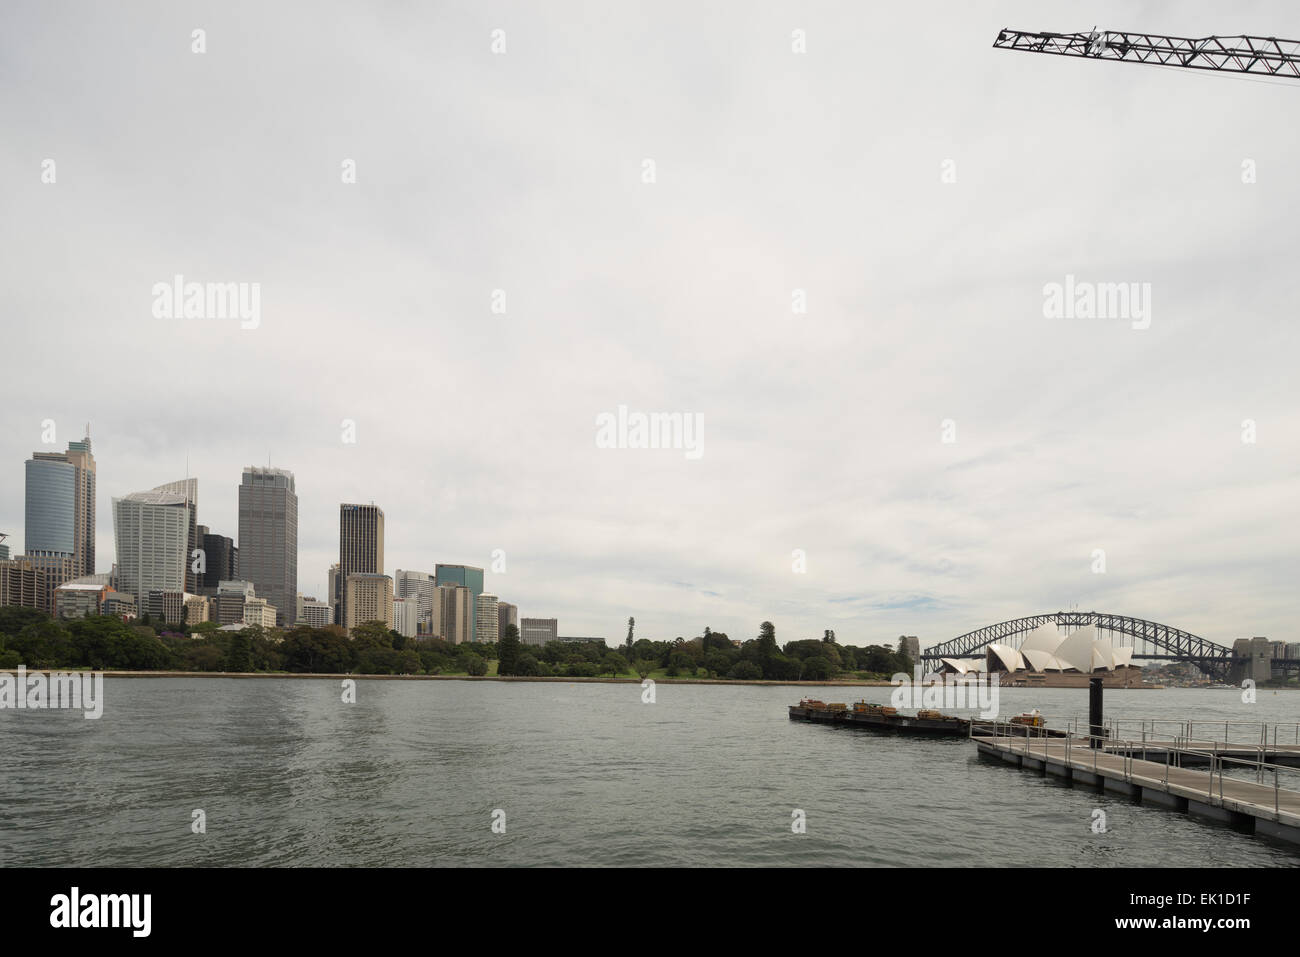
879 717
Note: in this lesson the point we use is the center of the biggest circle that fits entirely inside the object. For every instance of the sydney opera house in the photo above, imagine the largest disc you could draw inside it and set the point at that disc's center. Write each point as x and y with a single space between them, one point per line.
1045 656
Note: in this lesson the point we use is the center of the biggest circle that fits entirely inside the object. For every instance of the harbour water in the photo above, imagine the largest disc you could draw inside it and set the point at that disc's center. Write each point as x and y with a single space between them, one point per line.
586 774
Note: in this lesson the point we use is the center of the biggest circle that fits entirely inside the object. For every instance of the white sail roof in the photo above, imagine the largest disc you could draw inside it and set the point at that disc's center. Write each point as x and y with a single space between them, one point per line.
1042 638
1007 657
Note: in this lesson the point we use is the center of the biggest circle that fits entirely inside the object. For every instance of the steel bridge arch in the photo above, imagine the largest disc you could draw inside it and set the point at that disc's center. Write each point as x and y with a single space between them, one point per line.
1213 659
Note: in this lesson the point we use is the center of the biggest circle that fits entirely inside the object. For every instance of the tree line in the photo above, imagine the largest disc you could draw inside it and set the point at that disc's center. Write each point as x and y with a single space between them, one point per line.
32 638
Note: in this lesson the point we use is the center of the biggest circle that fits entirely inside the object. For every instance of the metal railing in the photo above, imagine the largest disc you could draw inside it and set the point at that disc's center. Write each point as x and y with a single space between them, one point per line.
1036 742
1226 731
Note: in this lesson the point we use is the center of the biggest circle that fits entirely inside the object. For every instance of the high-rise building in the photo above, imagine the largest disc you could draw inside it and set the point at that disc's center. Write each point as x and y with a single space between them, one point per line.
910 645
485 618
188 487
4 549
361 550
152 532
452 613
406 616
268 537
507 615
469 577
220 559
538 631
368 597
422 587
60 512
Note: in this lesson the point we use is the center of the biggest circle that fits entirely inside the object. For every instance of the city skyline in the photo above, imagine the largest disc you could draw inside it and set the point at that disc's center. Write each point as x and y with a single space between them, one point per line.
845 285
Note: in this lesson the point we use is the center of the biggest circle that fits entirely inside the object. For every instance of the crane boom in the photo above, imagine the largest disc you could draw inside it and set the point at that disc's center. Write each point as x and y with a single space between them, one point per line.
1262 55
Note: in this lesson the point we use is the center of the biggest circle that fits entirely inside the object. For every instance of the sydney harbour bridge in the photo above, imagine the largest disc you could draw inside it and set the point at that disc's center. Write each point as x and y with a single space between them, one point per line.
1149 639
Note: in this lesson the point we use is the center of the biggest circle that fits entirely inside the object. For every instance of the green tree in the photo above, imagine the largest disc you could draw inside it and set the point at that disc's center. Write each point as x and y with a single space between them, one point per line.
643 666
745 671
614 663
476 666
817 668
239 657
510 651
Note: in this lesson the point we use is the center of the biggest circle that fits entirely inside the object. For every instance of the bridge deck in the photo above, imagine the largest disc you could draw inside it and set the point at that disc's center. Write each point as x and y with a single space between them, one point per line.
1266 810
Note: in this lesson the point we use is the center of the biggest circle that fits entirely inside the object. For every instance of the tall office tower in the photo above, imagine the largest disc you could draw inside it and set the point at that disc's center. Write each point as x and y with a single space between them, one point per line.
268 537
451 613
469 577
152 531
486 618
538 631
61 505
220 558
369 597
507 615
422 587
4 549
361 550
189 487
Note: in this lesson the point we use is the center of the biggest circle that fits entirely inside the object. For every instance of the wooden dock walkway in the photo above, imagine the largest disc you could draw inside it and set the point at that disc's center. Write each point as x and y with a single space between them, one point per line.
1264 809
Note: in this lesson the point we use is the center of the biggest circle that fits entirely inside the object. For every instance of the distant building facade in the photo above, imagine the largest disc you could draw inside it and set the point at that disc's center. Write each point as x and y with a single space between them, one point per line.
361 551
452 610
467 576
422 587
313 613
538 631
152 532
220 560
507 615
268 537
485 618
406 617
60 505
368 597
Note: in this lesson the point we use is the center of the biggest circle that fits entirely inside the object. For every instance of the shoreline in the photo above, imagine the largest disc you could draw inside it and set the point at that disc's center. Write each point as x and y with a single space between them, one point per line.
340 677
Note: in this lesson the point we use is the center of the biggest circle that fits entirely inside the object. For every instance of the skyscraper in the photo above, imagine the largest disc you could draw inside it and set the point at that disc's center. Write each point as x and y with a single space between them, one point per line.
268 537
152 531
421 587
469 577
220 558
60 513
361 549
452 610
507 615
486 618
188 487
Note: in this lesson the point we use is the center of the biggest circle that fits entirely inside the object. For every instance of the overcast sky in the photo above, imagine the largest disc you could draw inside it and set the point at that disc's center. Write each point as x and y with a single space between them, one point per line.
774 171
